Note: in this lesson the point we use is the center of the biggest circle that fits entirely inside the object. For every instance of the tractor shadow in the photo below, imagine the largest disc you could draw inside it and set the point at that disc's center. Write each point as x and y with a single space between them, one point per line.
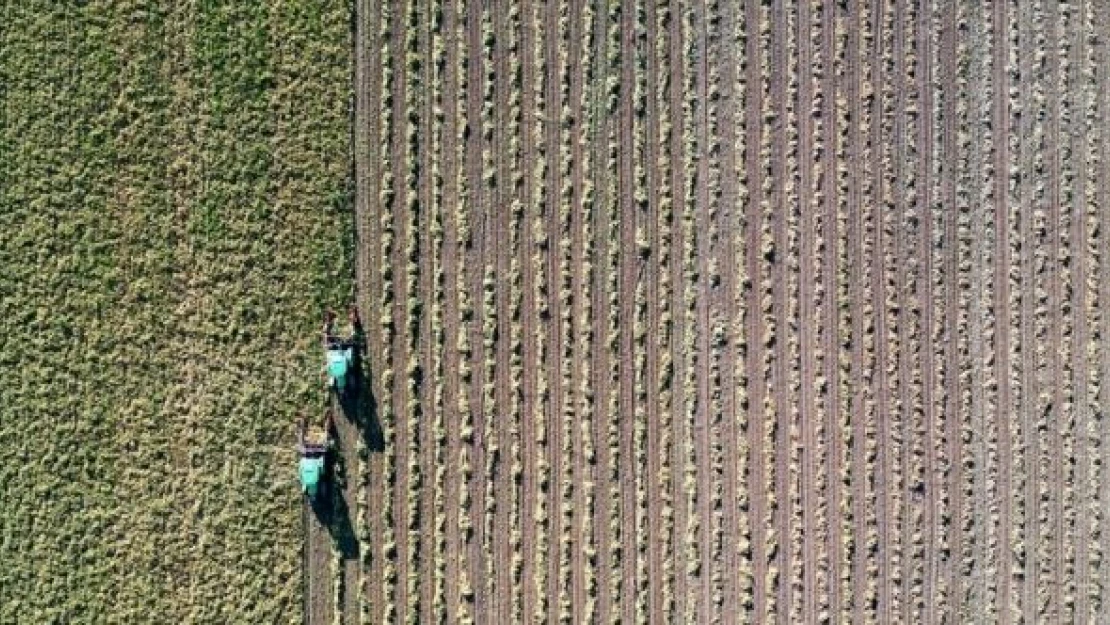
361 405
338 522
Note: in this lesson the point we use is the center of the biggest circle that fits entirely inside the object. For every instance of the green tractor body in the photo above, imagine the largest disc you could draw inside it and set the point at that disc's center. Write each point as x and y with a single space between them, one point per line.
339 362
310 470
313 446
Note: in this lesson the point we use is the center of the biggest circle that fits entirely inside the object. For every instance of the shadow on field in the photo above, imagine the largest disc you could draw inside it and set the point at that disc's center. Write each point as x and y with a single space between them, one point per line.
361 406
342 531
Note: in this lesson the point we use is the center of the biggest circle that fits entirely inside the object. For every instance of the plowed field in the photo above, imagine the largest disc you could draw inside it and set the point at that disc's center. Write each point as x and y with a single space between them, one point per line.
695 311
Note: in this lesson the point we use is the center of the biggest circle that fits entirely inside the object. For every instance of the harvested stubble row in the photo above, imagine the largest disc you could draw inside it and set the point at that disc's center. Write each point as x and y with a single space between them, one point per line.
809 304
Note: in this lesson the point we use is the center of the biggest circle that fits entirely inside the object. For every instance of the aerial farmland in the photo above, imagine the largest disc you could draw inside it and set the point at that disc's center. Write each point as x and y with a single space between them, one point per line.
676 311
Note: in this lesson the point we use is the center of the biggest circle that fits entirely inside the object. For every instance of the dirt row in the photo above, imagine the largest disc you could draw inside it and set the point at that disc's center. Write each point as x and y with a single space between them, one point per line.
692 310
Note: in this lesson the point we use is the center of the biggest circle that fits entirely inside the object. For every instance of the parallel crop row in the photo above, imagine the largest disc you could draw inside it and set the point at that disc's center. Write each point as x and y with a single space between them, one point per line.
585 331
690 283
463 611
639 320
439 608
665 383
490 199
788 363
613 407
388 200
741 443
540 241
516 296
414 310
565 322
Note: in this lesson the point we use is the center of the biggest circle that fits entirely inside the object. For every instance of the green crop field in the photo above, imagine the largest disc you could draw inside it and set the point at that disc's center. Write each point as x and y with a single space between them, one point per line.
174 190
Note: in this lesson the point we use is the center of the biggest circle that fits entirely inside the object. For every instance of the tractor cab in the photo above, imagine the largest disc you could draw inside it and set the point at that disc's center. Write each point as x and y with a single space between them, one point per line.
338 363
310 470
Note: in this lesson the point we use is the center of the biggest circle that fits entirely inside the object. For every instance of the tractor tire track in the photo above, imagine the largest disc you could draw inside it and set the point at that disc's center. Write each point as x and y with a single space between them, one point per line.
727 300
574 398
1000 121
628 281
367 131
407 320
451 315
810 362
1028 342
1055 417
779 386
1084 317
952 382
884 477
425 347
860 394
924 252
602 361
474 260
319 592
501 584
831 233
678 69
555 232
899 291
701 355
1102 118
530 312
656 582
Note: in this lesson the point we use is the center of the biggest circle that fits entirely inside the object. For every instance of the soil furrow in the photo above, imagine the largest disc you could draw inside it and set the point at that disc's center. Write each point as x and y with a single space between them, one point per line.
1028 343
628 281
700 357
952 378
903 291
319 587
602 360
1102 365
474 258
427 348
367 132
978 326
577 591
453 168
678 70
808 323
552 258
924 252
1085 317
655 484
856 309
530 312
832 232
754 123
396 593
733 568
1000 121
883 477
779 386
501 585
1054 228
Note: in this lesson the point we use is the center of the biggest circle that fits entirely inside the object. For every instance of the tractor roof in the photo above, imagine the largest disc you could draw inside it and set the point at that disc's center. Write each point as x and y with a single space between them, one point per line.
310 470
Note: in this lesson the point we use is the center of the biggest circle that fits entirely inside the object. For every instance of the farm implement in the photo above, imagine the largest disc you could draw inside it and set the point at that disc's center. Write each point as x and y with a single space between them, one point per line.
313 444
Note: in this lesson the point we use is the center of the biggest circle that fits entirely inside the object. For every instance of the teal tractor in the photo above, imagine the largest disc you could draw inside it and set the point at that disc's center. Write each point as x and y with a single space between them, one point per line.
341 352
313 445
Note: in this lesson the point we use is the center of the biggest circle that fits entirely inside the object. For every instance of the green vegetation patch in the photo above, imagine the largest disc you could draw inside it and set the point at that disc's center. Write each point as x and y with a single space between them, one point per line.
174 214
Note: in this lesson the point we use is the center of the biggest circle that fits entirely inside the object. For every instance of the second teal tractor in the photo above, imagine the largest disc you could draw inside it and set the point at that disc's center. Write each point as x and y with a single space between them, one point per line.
341 352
